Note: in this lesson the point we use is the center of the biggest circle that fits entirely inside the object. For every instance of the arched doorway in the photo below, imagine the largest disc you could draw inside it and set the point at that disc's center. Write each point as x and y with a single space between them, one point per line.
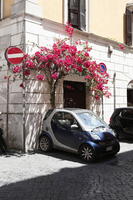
130 94
74 94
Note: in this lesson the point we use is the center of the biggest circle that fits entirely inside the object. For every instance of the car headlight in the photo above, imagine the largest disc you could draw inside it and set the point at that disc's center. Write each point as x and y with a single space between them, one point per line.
113 133
95 137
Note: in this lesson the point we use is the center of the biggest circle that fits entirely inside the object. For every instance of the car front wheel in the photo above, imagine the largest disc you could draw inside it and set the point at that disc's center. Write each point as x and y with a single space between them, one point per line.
87 153
45 143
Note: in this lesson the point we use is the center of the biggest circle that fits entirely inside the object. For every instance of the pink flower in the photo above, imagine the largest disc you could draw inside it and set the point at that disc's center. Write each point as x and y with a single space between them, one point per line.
57 51
69 29
37 53
121 46
107 94
40 77
50 57
7 77
79 60
86 54
55 75
68 61
97 97
30 64
43 58
27 72
21 85
80 69
87 63
73 50
16 69
88 77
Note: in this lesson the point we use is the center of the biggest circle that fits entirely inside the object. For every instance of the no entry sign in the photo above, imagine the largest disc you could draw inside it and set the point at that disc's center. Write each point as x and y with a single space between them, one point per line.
14 55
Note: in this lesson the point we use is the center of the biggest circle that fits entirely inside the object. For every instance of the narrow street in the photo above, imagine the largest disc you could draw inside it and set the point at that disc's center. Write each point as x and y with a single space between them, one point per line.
63 176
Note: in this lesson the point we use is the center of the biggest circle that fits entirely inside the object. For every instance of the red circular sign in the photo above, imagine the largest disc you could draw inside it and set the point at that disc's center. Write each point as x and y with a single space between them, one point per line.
14 55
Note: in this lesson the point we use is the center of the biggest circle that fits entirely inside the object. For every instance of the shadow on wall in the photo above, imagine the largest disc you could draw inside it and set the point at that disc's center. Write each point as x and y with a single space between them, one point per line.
94 105
35 108
37 103
108 180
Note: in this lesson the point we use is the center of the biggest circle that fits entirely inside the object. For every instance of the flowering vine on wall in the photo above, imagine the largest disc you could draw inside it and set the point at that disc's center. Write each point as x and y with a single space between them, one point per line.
62 59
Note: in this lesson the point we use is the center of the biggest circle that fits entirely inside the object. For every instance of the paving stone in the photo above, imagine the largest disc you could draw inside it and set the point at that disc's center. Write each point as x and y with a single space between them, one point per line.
63 176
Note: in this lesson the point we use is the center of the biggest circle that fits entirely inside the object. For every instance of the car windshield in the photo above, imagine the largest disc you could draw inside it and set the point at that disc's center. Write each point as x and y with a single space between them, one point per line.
91 121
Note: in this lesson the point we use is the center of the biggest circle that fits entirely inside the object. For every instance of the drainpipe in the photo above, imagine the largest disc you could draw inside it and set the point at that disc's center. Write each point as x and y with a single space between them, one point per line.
114 89
24 92
102 109
7 103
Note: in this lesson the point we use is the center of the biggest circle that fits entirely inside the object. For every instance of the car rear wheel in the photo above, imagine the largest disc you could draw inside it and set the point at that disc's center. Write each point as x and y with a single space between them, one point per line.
87 153
45 143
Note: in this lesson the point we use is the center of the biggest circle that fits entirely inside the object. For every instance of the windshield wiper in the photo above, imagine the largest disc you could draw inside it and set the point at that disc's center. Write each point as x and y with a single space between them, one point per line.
97 128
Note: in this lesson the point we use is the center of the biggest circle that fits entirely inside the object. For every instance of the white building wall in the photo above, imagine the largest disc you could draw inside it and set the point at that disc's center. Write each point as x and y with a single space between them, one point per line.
27 29
11 34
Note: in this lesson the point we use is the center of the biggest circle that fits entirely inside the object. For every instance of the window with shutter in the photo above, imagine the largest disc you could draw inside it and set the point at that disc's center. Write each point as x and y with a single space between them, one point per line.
77 13
128 27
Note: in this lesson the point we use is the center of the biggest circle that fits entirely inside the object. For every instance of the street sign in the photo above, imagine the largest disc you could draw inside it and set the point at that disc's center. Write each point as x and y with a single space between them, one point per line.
103 67
14 55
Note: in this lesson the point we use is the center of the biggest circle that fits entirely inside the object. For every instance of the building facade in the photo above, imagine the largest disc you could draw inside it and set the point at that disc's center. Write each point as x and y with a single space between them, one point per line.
106 26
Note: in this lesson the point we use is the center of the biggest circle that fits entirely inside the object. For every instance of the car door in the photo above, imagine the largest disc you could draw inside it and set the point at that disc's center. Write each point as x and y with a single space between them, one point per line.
66 129
127 119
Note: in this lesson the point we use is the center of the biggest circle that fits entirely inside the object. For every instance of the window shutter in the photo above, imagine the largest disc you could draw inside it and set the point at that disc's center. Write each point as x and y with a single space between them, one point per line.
77 13
73 12
128 27
82 15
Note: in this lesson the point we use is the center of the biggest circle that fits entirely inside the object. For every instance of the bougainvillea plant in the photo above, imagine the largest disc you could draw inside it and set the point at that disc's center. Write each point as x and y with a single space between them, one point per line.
62 59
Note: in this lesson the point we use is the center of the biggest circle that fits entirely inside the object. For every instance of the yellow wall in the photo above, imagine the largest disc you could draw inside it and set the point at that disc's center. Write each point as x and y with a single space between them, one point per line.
107 18
52 9
7 7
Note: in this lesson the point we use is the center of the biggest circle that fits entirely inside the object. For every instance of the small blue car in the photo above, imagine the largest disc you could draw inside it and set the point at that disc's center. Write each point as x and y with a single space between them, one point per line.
78 131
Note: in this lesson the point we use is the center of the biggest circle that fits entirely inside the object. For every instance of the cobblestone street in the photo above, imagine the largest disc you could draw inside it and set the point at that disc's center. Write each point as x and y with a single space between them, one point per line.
63 176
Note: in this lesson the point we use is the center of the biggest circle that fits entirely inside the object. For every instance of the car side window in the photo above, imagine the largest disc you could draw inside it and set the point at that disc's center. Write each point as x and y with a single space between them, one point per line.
127 114
57 118
71 122
64 120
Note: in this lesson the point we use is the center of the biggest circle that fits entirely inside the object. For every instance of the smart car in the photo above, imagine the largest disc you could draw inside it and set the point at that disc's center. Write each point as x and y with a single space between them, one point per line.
79 131
121 122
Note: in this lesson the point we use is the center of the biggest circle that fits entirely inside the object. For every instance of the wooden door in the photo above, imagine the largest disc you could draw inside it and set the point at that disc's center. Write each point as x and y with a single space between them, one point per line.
74 94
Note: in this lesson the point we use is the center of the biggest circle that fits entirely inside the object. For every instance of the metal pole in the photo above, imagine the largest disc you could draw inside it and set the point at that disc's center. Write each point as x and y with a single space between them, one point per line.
24 113
7 106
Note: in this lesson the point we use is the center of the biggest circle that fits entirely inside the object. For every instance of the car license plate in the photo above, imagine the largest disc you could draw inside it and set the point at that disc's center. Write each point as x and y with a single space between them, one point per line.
109 148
